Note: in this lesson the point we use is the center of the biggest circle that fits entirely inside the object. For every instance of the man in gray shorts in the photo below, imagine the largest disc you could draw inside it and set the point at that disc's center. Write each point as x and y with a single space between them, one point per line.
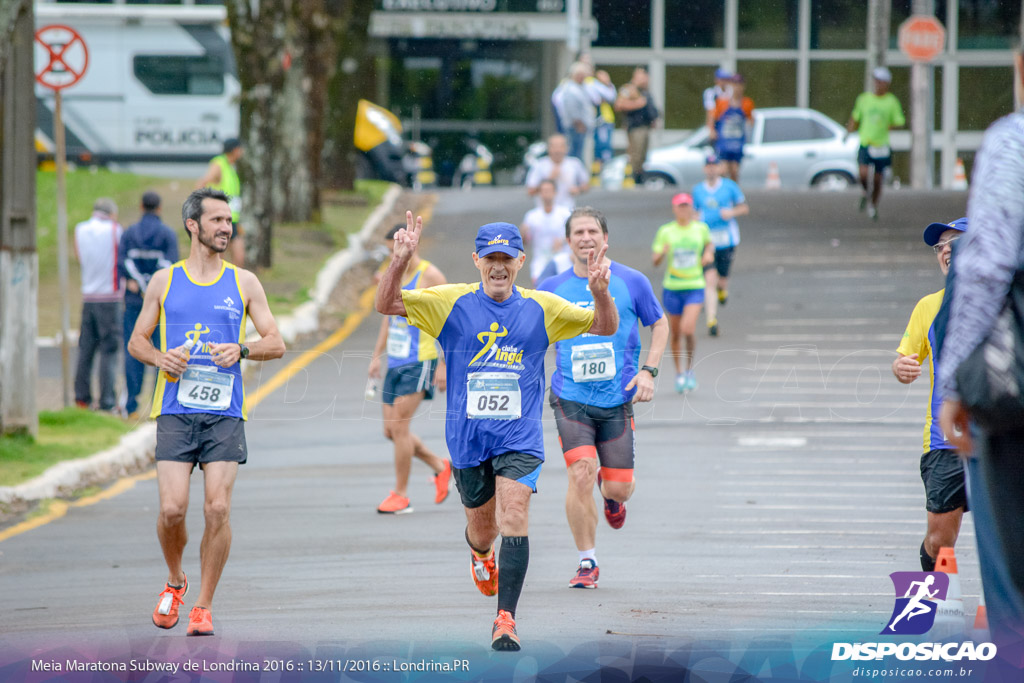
200 305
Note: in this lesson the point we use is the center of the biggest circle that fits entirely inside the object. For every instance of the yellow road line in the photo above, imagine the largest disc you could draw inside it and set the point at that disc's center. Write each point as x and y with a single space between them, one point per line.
352 321
59 508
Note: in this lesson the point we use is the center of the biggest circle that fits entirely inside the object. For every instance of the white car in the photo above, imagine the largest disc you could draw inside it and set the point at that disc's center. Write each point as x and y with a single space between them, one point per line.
809 149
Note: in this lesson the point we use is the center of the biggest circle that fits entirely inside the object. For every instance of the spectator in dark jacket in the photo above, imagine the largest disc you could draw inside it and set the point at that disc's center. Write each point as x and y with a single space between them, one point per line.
145 248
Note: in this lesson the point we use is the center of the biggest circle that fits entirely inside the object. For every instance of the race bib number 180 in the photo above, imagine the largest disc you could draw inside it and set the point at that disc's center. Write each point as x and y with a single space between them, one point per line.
493 396
593 362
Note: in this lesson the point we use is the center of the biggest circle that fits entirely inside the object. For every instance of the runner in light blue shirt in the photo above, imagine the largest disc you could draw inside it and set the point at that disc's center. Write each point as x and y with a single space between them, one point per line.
719 201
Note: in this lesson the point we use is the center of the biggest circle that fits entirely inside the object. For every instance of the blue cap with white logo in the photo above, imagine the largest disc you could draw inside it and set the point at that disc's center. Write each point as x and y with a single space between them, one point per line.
934 231
503 237
723 74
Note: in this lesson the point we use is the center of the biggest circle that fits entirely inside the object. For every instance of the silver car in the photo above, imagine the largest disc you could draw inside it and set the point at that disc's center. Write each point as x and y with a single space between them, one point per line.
808 148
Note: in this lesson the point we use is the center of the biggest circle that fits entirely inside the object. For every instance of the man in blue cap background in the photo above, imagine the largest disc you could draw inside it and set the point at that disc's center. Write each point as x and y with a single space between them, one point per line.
494 336
941 468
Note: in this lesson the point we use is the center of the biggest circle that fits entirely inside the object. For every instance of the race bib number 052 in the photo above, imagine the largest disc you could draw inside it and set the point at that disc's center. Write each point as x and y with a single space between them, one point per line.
493 396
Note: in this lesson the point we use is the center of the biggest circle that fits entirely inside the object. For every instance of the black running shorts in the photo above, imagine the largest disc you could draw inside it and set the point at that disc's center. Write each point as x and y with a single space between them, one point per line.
605 433
476 484
942 472
200 438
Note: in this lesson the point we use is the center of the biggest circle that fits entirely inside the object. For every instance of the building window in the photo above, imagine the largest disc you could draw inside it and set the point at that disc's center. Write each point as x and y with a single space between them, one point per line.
689 27
986 94
622 24
768 24
839 24
684 89
180 74
988 25
834 85
770 83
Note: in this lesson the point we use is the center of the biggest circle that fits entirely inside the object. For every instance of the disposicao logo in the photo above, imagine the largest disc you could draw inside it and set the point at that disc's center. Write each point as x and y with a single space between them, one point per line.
914 614
914 611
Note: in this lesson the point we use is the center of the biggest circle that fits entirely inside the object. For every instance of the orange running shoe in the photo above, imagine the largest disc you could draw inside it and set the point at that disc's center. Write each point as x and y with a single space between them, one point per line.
503 633
394 504
166 613
200 622
485 573
441 481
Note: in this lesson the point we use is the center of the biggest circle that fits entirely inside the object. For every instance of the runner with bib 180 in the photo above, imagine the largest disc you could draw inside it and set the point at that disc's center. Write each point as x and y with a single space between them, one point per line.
593 389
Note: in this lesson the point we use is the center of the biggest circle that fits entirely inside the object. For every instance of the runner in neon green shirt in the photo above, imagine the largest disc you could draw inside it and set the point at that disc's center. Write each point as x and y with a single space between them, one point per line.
874 113
222 174
687 244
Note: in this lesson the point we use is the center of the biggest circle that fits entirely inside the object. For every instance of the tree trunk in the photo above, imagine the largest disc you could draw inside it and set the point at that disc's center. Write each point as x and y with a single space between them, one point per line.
354 79
879 13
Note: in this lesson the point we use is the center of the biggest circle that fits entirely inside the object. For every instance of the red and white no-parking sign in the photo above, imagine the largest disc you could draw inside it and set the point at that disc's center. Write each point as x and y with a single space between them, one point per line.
61 56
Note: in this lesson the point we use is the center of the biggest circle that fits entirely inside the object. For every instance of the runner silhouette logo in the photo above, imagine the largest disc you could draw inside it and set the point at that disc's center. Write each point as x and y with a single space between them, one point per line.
916 593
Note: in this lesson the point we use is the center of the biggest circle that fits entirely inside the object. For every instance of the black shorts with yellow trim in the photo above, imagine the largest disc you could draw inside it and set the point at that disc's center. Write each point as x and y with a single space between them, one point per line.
608 434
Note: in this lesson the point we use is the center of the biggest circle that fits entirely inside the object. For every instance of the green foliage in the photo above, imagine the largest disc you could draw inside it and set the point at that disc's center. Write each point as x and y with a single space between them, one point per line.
63 435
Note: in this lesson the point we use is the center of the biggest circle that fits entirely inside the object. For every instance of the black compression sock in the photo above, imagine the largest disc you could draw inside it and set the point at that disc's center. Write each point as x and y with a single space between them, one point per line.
512 563
927 561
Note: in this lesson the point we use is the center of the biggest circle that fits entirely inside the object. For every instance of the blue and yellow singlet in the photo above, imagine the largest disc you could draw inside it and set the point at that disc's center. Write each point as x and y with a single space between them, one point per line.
406 343
208 313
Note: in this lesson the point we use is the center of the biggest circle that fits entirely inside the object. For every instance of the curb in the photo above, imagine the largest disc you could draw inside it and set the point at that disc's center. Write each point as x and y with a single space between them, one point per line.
135 451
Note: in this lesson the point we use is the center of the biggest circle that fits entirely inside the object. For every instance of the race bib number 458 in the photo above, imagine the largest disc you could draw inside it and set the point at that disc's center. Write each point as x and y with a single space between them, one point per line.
202 388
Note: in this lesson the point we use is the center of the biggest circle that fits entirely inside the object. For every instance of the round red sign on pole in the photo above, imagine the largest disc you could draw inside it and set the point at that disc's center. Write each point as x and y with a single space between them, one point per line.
922 38
61 56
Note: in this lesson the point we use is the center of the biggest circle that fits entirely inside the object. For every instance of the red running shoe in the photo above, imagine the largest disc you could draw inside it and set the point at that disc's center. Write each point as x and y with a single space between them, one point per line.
586 575
614 511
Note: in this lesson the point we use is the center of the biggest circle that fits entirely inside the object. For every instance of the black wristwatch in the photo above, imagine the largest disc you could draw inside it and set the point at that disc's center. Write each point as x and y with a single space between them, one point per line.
648 368
243 351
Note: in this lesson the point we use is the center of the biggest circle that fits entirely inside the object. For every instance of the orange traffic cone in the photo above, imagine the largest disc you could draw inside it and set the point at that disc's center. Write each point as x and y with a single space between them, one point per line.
981 617
959 175
773 181
950 619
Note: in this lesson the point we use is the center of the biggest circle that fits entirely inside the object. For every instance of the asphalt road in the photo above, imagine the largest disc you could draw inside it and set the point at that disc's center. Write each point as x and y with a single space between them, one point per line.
772 503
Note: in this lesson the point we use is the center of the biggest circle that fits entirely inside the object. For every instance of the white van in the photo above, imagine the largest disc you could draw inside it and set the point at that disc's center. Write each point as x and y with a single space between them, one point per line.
160 84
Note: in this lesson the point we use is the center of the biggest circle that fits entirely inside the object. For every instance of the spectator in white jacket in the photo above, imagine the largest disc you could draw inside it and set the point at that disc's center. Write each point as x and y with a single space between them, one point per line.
96 245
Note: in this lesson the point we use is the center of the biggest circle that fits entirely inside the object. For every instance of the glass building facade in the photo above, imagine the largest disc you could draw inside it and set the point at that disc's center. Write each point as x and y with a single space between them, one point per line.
455 70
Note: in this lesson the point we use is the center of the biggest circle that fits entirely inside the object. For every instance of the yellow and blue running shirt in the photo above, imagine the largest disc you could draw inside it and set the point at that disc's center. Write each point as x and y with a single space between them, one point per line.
207 313
494 351
595 370
920 339
406 343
